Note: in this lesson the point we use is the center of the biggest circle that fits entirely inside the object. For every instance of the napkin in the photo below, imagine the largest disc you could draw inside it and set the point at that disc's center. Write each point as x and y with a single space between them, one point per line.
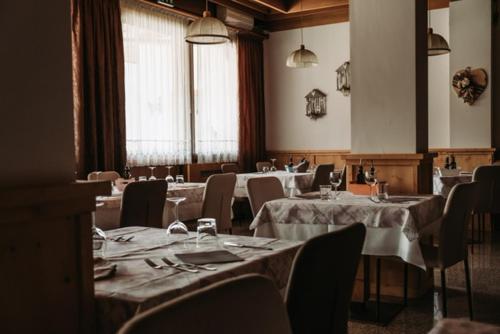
221 256
103 269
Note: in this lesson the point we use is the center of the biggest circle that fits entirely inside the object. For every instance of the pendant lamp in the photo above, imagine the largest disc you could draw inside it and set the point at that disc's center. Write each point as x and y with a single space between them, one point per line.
302 57
436 44
207 30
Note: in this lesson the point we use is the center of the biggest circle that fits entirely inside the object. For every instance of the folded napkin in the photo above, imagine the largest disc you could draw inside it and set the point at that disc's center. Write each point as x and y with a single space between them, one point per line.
103 269
221 256
311 195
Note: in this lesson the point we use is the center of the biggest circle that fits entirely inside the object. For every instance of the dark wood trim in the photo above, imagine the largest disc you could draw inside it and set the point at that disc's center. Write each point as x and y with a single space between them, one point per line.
278 5
312 18
421 78
495 78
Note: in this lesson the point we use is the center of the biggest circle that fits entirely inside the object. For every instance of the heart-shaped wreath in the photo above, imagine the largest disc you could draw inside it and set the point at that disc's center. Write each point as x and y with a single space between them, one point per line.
470 84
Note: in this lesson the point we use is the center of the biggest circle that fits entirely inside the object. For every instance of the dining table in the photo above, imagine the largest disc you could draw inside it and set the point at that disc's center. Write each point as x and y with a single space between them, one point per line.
442 184
107 215
293 183
393 225
135 286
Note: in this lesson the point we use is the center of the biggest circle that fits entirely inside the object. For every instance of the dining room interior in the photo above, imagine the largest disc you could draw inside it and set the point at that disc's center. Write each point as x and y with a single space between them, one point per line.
250 166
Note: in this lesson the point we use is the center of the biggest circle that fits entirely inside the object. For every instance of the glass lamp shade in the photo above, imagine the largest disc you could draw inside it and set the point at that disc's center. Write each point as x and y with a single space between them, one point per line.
207 30
302 58
436 44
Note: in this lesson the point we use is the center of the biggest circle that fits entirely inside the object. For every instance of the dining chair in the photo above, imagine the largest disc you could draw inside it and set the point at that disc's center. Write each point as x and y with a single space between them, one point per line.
261 164
321 175
217 200
143 203
229 168
260 310
488 177
263 189
452 247
93 176
108 176
322 280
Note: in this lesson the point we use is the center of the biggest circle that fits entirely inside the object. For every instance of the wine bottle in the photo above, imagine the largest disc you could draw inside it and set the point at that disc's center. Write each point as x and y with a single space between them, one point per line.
290 164
372 169
126 173
447 163
360 176
453 164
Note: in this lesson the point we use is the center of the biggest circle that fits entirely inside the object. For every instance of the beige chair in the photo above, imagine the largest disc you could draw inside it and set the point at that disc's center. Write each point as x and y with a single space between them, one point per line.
259 310
488 177
229 168
321 176
261 164
263 189
322 281
217 200
452 239
108 176
143 203
93 176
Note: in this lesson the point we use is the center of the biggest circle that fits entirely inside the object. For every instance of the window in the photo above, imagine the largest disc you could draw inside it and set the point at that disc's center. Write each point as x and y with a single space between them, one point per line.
216 102
157 93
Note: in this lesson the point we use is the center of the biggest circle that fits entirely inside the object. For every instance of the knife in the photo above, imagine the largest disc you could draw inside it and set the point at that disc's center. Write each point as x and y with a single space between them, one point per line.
234 244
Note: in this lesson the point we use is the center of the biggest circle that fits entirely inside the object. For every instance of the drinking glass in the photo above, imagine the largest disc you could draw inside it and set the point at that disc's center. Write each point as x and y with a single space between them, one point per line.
177 227
169 177
383 191
336 181
265 169
206 230
324 192
152 177
179 179
273 167
143 178
98 238
371 180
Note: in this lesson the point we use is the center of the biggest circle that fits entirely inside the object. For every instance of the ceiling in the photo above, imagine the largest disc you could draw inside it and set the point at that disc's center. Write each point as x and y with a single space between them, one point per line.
274 15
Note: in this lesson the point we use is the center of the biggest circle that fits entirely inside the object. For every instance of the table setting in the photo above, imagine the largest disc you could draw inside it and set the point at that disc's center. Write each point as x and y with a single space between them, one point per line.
155 267
293 182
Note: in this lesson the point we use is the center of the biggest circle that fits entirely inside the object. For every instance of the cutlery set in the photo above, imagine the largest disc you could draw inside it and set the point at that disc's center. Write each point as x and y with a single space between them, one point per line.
182 266
122 239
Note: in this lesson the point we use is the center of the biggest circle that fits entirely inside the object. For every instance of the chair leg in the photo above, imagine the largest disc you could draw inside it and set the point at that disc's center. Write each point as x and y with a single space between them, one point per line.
443 293
483 223
472 233
468 285
405 285
378 289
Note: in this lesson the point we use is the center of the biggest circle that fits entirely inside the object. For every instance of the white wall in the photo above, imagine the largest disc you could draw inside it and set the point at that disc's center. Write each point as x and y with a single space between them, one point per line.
439 85
384 91
287 127
36 127
470 43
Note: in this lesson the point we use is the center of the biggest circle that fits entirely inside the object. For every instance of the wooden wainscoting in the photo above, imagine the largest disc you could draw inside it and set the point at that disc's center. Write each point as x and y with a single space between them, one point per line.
467 158
47 282
316 157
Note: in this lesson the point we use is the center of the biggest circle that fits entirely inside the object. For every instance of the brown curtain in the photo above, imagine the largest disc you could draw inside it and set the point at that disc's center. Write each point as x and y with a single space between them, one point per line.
98 86
252 142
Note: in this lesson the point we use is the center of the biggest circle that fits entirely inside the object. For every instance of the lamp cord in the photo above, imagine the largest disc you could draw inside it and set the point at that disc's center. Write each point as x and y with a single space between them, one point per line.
301 24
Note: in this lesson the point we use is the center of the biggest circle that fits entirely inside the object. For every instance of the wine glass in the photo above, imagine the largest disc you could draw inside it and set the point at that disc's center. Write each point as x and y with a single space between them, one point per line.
177 227
273 167
98 237
169 178
371 180
152 177
336 181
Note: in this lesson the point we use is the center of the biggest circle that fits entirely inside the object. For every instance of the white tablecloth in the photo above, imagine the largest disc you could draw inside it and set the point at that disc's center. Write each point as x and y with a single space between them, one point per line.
393 227
137 287
443 184
301 182
108 216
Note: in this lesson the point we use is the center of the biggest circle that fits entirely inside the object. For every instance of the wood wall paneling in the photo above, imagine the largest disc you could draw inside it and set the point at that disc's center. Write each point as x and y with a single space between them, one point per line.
315 157
467 158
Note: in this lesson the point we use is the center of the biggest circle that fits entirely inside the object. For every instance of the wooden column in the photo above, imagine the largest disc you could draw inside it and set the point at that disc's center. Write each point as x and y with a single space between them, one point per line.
47 282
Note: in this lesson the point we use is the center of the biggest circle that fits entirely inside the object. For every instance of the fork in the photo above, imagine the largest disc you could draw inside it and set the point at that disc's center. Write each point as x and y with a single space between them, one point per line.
154 265
180 266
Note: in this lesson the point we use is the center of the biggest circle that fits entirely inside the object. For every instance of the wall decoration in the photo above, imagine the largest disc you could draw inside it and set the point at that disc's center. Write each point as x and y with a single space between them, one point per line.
316 104
344 78
470 84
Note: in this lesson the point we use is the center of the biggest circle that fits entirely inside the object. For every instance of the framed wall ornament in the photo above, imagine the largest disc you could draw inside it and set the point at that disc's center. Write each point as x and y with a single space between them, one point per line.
469 84
344 78
315 104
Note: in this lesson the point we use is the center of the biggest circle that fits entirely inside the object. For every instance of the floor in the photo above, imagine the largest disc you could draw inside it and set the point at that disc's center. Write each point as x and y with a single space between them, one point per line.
418 316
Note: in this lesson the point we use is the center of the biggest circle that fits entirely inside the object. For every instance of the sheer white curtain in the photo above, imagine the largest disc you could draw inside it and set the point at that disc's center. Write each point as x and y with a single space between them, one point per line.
216 102
157 91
